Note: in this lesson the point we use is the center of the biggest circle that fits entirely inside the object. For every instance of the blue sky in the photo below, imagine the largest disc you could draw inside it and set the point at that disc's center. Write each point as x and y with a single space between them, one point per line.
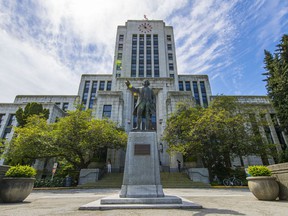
45 46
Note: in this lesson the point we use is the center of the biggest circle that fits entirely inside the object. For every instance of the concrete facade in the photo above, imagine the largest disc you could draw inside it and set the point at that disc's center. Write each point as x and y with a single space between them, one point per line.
271 134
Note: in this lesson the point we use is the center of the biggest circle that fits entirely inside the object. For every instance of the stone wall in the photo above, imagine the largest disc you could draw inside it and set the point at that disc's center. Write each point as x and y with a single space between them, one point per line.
280 171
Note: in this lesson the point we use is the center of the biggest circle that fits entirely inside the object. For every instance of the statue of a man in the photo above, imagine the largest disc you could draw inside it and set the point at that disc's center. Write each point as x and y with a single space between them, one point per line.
145 106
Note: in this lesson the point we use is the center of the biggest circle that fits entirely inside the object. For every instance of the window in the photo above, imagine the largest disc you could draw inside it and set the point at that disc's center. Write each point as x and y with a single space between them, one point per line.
188 86
196 92
11 122
58 104
141 56
134 56
121 37
120 47
181 87
119 56
148 40
65 106
172 75
169 46
156 56
278 131
1 119
118 65
148 56
268 135
109 85
93 94
107 109
204 95
170 56
141 70
102 86
85 92
202 86
171 66
156 70
168 37
204 99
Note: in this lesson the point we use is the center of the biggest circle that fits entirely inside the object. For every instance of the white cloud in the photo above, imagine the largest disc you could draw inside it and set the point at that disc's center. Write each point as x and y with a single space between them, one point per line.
205 33
27 70
70 37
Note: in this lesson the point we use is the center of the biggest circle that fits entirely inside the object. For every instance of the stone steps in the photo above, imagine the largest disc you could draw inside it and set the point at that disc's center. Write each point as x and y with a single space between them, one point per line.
168 180
180 180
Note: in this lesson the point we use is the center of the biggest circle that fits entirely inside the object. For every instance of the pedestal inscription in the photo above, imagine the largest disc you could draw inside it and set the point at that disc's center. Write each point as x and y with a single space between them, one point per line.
142 149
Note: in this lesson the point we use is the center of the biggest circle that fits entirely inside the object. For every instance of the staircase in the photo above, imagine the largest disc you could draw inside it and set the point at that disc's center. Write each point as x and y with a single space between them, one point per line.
179 180
168 180
108 180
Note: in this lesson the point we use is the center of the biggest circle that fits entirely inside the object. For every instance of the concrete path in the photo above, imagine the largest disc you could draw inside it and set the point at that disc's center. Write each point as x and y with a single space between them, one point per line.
214 202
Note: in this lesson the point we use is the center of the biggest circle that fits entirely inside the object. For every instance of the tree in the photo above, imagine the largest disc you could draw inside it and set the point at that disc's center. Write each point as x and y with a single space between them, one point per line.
82 139
29 110
215 134
33 141
277 80
76 138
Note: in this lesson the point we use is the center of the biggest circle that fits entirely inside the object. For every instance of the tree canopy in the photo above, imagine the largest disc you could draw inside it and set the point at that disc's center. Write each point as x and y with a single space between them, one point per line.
29 110
277 79
77 138
215 134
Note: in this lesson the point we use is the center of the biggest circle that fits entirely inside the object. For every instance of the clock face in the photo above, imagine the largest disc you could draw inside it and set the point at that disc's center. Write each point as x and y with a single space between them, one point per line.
145 27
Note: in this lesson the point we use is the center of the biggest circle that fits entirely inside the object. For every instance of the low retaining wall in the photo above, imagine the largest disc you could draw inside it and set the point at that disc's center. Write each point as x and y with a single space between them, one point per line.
280 171
88 176
199 175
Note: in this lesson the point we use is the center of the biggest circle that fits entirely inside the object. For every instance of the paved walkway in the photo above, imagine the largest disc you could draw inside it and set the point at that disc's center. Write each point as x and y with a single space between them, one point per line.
214 202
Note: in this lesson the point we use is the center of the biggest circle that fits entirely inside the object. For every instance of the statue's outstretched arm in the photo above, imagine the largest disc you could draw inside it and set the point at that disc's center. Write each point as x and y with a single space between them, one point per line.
130 87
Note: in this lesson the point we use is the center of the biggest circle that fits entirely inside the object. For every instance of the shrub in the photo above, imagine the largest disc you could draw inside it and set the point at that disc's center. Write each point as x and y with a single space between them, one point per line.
55 182
259 171
21 171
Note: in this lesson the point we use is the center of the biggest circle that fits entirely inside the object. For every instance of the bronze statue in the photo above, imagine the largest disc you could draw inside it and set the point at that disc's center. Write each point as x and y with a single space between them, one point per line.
145 106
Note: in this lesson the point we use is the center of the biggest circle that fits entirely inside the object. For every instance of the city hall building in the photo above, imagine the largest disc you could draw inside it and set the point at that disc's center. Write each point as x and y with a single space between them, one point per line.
144 50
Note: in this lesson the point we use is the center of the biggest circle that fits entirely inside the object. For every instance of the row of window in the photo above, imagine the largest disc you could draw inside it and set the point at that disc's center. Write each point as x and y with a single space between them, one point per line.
196 91
1 119
141 59
93 91
11 122
118 62
65 105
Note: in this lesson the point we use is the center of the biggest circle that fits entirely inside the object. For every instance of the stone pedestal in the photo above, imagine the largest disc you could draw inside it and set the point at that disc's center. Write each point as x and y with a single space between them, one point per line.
280 171
141 188
142 172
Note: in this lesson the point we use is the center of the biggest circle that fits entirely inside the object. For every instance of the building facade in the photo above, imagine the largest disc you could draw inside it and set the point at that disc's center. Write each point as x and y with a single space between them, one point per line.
144 50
